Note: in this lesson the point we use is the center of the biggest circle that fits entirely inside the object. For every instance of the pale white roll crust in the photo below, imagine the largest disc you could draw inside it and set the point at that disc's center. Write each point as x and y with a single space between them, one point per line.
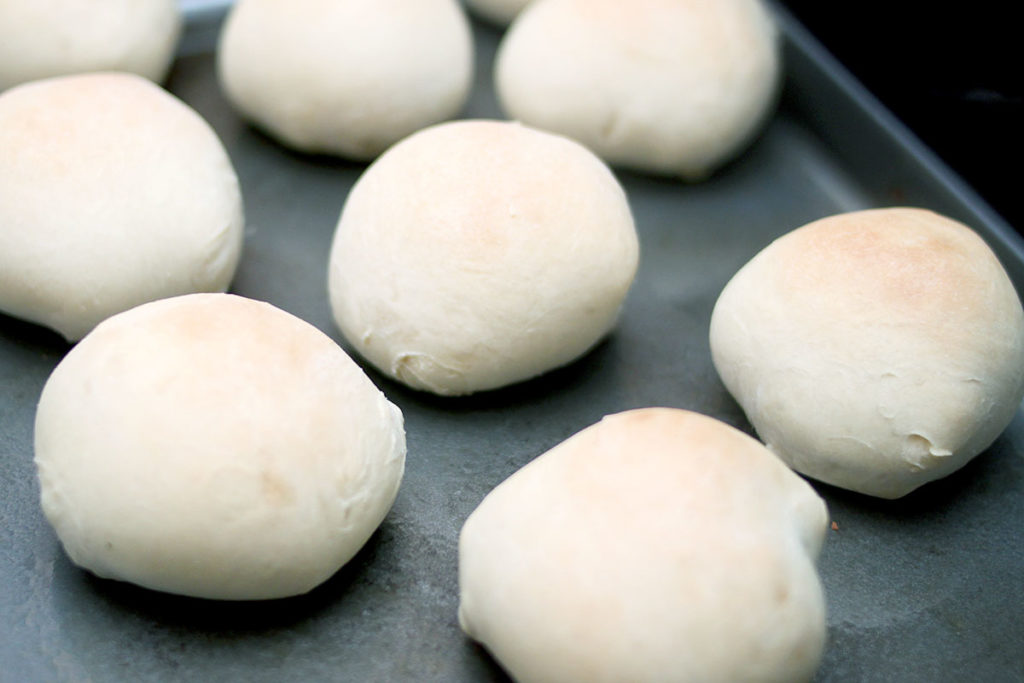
500 12
656 545
876 350
45 38
346 77
215 446
476 254
673 87
112 193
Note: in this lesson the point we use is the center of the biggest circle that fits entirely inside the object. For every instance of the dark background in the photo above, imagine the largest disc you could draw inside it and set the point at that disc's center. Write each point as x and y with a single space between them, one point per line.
953 73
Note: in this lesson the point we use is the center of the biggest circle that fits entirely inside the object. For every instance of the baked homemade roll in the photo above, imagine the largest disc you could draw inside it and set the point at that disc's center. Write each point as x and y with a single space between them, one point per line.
112 193
876 350
656 545
475 254
45 38
217 447
346 77
675 87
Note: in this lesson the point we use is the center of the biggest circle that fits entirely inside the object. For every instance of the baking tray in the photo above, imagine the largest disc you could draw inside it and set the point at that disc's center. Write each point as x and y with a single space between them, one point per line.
926 588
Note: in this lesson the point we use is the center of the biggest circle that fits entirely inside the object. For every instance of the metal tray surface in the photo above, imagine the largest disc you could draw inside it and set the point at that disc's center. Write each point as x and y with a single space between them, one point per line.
926 588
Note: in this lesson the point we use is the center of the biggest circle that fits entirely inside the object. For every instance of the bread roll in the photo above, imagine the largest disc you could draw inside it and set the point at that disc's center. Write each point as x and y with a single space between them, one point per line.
217 447
500 12
345 77
674 87
656 545
112 193
875 350
45 38
476 254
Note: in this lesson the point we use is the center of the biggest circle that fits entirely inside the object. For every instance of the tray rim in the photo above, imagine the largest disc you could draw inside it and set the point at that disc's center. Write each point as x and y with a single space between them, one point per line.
813 57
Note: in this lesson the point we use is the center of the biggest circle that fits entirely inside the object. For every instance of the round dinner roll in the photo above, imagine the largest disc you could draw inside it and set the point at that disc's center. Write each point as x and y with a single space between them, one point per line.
112 193
656 545
217 447
345 77
45 38
476 254
675 87
500 12
876 350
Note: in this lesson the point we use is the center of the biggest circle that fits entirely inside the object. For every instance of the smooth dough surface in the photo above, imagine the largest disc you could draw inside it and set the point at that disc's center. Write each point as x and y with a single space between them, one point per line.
476 254
876 350
346 77
674 87
112 193
45 38
656 545
215 446
500 12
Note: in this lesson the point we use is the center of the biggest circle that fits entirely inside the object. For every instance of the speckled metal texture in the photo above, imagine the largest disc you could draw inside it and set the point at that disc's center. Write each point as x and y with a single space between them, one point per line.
927 588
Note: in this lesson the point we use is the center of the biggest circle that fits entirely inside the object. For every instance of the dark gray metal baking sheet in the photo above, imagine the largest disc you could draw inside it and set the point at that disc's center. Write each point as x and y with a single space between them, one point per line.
926 588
